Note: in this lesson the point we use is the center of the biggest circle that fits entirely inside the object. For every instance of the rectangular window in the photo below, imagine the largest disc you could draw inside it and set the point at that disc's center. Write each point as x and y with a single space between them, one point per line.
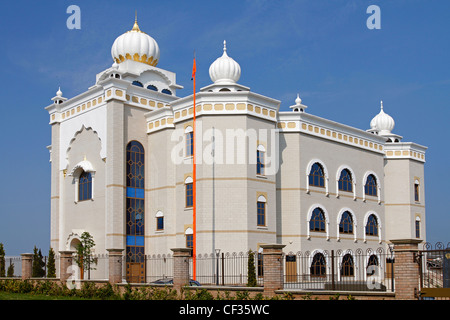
260 162
260 265
190 242
160 223
417 229
416 192
261 215
189 144
189 194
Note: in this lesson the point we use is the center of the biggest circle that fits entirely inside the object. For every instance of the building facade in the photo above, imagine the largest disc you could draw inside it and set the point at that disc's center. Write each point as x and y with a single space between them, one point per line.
122 167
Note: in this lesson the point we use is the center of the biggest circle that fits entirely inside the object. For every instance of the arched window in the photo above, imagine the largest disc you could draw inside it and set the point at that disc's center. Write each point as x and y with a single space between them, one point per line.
166 91
372 226
347 266
317 221
417 225
189 234
189 192
137 83
152 87
345 181
370 188
416 190
373 261
317 176
189 134
261 211
85 186
318 266
159 221
135 212
346 224
260 159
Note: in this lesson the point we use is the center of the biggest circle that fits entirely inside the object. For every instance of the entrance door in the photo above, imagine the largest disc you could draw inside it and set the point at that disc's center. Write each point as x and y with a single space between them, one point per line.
291 268
135 272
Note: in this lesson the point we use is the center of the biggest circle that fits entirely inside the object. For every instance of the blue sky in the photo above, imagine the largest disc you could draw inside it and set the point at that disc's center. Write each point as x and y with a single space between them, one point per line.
320 49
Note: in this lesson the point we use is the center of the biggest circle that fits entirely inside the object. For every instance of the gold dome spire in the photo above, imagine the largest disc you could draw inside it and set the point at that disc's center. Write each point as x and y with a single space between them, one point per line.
135 26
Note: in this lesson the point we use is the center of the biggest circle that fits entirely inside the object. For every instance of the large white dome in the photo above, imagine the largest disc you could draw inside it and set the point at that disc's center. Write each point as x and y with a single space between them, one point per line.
382 122
135 45
224 70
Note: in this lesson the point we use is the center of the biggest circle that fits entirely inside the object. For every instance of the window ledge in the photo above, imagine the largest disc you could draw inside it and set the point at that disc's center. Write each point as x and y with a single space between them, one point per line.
261 176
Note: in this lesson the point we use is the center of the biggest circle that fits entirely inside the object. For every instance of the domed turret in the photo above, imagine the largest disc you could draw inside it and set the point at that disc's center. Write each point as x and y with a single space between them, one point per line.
137 46
225 70
382 122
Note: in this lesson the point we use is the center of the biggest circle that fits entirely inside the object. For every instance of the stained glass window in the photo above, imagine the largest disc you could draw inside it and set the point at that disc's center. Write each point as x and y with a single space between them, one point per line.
346 224
345 181
316 176
318 266
135 210
372 226
370 188
85 186
317 222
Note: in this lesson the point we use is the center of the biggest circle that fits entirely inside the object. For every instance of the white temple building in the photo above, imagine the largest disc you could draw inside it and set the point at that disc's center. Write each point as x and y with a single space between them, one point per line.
122 167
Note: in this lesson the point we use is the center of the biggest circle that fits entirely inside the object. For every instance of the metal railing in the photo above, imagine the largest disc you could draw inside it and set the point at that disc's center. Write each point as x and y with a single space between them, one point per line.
434 265
340 270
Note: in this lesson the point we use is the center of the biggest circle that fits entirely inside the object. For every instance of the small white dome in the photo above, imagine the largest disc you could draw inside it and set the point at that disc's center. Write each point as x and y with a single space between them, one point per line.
224 70
135 45
59 92
382 122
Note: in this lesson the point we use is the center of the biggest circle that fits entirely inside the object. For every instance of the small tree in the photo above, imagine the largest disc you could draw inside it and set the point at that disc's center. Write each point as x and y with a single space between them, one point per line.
11 270
38 264
51 270
251 273
84 257
2 260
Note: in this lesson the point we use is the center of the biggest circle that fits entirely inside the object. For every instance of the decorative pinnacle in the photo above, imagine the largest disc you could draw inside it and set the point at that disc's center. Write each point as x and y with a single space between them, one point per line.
381 104
135 26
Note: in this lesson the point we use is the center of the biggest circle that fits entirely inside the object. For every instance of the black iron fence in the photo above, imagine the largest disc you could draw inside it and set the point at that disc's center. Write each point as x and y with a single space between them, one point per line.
434 266
359 270
342 270
229 269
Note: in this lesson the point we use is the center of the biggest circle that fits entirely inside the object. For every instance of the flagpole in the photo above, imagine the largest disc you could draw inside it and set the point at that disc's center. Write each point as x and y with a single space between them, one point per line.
194 191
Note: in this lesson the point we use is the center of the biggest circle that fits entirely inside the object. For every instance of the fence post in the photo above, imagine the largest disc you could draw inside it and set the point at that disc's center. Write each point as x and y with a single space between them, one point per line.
180 267
333 281
27 265
115 265
65 261
273 268
406 268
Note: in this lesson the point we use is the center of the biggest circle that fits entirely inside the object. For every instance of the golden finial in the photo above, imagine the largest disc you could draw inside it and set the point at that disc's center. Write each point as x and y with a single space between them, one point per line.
135 26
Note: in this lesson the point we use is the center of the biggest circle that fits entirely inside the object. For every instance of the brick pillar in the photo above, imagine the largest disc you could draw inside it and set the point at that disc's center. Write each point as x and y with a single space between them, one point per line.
273 268
65 261
115 265
27 265
180 267
406 268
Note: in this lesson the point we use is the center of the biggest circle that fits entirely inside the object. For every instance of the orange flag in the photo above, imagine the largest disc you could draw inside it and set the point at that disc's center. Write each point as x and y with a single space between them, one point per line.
194 69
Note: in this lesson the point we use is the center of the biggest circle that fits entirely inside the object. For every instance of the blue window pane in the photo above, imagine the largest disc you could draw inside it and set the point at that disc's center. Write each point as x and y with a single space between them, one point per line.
139 240
131 192
140 193
131 241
